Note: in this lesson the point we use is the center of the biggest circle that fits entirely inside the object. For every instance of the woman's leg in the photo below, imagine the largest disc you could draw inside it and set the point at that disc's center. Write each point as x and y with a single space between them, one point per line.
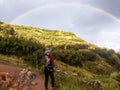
52 79
46 78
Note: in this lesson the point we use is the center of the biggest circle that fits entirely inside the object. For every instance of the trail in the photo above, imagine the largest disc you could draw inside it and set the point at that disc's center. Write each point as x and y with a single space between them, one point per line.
15 71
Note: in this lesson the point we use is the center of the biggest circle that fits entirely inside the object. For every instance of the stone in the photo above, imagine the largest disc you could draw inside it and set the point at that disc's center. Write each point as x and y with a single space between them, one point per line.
26 88
75 74
33 83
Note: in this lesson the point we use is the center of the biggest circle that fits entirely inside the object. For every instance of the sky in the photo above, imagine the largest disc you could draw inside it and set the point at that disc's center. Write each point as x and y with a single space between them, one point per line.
96 21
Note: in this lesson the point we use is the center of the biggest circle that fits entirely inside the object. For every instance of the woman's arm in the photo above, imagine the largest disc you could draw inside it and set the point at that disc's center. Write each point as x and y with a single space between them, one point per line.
47 60
51 48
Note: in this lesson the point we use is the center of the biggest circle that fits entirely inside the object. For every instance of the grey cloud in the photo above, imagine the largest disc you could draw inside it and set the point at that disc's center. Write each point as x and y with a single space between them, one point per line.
92 18
12 8
111 6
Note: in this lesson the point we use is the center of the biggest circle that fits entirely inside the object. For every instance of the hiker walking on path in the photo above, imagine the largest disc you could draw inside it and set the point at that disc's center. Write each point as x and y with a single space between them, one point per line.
49 68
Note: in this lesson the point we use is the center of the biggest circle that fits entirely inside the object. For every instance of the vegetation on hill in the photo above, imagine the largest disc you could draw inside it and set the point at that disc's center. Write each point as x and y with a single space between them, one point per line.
72 55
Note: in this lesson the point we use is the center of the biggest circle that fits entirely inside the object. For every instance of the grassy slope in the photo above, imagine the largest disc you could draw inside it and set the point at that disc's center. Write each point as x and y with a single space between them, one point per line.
65 81
91 70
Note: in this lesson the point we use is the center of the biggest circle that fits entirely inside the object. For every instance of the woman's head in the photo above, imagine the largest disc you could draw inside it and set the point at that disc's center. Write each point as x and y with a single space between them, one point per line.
47 50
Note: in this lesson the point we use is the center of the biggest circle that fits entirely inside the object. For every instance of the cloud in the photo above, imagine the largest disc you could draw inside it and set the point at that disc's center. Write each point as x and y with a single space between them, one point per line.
13 8
1 2
111 6
110 38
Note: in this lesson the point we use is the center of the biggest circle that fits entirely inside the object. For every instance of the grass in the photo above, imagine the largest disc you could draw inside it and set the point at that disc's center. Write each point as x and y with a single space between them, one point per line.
68 81
73 87
12 60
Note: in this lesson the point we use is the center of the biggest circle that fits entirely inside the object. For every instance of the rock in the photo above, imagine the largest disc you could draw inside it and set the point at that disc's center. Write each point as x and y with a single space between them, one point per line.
74 74
65 73
31 75
96 85
5 80
33 83
26 77
22 82
15 85
11 89
58 70
26 88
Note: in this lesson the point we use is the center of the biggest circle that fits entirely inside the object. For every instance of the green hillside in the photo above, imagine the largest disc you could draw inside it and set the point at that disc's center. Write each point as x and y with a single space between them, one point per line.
73 55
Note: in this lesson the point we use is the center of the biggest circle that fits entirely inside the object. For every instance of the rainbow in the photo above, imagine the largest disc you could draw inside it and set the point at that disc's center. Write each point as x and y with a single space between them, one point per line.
65 4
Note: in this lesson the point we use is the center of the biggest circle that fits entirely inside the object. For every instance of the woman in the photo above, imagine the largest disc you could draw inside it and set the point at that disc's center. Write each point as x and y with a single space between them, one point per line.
49 68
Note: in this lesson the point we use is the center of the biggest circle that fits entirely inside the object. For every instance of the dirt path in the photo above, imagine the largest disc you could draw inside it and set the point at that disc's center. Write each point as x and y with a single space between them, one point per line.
15 71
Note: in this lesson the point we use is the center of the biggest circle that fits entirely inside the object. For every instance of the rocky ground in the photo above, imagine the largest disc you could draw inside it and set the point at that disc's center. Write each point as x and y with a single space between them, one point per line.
14 78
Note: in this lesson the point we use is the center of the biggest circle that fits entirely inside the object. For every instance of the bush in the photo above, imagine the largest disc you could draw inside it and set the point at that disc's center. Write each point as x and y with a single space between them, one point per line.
73 57
102 52
114 61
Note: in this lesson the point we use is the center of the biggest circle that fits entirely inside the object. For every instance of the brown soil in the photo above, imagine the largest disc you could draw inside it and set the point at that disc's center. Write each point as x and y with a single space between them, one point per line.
14 71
